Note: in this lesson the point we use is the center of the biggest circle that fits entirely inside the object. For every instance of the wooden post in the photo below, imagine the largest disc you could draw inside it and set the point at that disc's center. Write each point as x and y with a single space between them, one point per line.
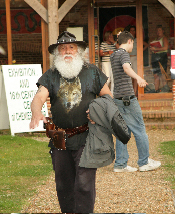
173 90
139 35
45 40
9 33
53 24
91 32
173 84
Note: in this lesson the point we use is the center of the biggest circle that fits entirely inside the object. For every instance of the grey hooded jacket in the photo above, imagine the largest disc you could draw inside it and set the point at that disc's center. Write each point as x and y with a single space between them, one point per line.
99 147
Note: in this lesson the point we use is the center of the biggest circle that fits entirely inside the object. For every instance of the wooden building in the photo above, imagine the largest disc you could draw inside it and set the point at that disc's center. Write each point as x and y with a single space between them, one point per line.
28 27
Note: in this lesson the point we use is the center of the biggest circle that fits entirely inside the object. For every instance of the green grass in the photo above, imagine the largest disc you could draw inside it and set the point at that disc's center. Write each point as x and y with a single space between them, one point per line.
168 150
24 163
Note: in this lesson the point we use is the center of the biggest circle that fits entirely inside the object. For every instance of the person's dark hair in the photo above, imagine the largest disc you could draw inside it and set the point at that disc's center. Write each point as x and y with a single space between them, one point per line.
124 37
107 34
132 26
127 27
160 26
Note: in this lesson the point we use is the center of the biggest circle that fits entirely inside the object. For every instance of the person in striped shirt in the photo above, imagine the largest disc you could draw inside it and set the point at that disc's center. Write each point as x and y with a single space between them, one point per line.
133 55
106 49
129 107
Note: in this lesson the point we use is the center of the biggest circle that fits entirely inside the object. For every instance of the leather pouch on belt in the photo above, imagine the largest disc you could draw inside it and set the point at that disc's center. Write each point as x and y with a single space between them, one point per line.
58 137
49 126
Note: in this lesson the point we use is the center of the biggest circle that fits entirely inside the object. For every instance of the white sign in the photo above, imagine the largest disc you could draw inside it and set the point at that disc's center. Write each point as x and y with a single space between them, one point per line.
172 64
4 117
20 86
77 31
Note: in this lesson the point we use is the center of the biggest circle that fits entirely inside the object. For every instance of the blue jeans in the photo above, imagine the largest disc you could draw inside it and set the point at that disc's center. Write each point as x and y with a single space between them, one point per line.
132 115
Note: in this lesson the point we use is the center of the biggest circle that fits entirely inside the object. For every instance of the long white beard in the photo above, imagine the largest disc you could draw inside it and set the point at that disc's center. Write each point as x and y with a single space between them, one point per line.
68 69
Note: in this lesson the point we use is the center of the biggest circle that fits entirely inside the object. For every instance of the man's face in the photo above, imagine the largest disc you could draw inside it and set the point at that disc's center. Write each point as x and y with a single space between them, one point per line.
159 32
111 38
133 32
68 51
131 43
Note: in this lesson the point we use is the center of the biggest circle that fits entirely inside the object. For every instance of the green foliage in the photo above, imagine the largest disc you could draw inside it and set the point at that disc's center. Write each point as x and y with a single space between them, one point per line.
24 164
168 150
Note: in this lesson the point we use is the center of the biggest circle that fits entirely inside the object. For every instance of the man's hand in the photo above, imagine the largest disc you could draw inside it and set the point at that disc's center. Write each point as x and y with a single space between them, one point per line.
141 82
36 119
36 106
89 117
153 49
130 72
110 52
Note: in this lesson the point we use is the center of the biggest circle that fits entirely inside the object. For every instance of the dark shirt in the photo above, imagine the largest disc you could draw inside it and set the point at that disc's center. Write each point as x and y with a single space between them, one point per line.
70 99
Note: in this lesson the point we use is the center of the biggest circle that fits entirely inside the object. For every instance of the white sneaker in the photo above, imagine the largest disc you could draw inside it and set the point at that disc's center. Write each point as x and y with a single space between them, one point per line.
152 164
126 169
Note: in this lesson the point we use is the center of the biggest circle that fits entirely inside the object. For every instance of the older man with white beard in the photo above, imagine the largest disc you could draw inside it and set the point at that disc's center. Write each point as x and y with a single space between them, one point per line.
71 85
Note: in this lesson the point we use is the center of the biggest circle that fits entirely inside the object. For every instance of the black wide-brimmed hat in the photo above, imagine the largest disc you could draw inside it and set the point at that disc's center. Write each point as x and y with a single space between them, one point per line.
66 38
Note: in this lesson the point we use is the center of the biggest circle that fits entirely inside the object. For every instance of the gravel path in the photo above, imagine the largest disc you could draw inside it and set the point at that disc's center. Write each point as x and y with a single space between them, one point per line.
144 192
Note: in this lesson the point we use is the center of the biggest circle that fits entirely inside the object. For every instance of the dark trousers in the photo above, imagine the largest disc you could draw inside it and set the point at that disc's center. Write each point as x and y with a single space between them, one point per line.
75 185
155 59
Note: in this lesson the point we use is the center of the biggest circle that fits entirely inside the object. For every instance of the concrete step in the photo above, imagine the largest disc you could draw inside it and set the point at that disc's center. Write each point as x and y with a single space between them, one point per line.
164 104
163 114
159 125
164 119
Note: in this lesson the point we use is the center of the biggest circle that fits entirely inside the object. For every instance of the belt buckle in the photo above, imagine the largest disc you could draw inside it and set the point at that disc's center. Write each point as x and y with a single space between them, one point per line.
126 100
77 130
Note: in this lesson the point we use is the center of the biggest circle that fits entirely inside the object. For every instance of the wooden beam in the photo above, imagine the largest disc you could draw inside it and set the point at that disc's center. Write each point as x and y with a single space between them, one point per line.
107 1
42 11
139 36
39 8
53 24
174 33
9 33
91 32
45 40
169 5
65 7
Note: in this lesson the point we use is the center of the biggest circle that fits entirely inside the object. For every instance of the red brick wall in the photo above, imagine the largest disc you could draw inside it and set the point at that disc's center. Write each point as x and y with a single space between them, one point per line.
158 15
27 48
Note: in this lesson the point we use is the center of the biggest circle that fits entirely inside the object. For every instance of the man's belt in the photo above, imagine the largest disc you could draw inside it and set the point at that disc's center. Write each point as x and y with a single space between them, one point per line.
58 135
131 97
76 130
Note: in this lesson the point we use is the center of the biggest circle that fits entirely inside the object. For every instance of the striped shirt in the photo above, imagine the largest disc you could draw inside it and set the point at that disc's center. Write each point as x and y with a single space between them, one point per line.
122 82
107 47
96 54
